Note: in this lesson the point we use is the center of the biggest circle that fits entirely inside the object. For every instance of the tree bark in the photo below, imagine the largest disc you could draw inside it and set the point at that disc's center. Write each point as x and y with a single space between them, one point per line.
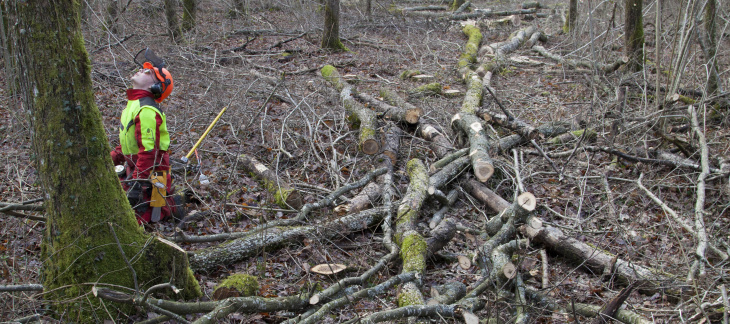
413 246
470 125
407 112
284 194
359 116
634 35
190 8
331 35
569 26
83 195
210 259
173 26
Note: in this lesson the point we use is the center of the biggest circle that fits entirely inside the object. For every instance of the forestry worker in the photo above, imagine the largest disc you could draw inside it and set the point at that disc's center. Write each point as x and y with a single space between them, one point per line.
144 141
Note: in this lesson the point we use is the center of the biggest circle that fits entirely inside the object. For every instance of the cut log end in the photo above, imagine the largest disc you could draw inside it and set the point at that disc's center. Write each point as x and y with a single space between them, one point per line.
314 300
413 115
483 171
527 201
464 262
509 271
370 147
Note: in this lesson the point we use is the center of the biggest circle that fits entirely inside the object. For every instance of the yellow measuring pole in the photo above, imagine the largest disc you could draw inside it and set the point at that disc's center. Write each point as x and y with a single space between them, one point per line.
205 134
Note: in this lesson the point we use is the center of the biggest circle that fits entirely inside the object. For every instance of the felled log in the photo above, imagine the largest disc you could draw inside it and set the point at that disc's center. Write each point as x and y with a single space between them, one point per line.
473 97
441 235
447 293
469 56
437 165
430 89
499 59
403 114
502 267
439 214
209 259
406 111
605 68
448 173
438 142
284 194
600 261
517 125
508 218
470 125
582 309
489 13
547 130
358 115
413 246
373 190
590 135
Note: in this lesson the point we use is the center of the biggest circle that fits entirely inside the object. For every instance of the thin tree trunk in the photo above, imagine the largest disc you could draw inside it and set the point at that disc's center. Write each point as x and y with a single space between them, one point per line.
711 47
91 230
172 24
634 35
190 8
569 26
331 35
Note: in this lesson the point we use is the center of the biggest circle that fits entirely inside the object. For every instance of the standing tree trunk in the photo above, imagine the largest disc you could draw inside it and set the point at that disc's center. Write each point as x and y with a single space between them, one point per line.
713 81
238 9
634 35
172 25
89 220
331 36
112 11
189 13
569 25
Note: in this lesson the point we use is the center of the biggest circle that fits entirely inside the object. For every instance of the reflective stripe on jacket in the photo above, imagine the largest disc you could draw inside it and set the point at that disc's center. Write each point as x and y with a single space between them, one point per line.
151 137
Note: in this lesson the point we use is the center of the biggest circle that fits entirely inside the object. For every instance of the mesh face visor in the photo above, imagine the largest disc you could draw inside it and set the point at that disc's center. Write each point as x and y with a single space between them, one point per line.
147 55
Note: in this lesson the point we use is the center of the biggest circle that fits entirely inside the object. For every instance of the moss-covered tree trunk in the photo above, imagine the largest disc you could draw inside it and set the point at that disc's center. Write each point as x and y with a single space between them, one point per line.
572 18
331 35
634 35
190 8
83 198
172 24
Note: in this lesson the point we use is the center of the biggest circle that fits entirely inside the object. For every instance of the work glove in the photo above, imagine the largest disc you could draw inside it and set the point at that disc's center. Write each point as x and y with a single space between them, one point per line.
136 195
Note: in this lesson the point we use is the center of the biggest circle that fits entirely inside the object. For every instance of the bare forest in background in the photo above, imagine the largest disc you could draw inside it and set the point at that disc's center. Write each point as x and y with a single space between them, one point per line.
478 162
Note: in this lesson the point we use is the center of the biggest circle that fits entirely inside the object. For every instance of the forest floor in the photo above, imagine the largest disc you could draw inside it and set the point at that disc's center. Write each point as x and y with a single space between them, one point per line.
298 128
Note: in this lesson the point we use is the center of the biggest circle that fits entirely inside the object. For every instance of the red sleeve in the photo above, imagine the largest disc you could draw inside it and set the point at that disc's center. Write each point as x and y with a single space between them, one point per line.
117 156
146 160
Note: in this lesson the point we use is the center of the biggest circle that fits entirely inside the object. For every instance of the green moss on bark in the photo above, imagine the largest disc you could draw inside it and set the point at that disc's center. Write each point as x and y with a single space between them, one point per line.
413 253
245 284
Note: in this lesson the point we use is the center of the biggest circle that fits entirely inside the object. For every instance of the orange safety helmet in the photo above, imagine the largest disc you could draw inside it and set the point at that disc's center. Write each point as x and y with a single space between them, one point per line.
163 87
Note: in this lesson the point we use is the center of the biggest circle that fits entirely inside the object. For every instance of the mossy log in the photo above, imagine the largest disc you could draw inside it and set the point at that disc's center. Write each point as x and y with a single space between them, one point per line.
409 115
507 220
438 142
429 89
212 258
473 97
479 146
364 119
469 57
408 112
412 245
284 194
590 135
359 116
236 285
